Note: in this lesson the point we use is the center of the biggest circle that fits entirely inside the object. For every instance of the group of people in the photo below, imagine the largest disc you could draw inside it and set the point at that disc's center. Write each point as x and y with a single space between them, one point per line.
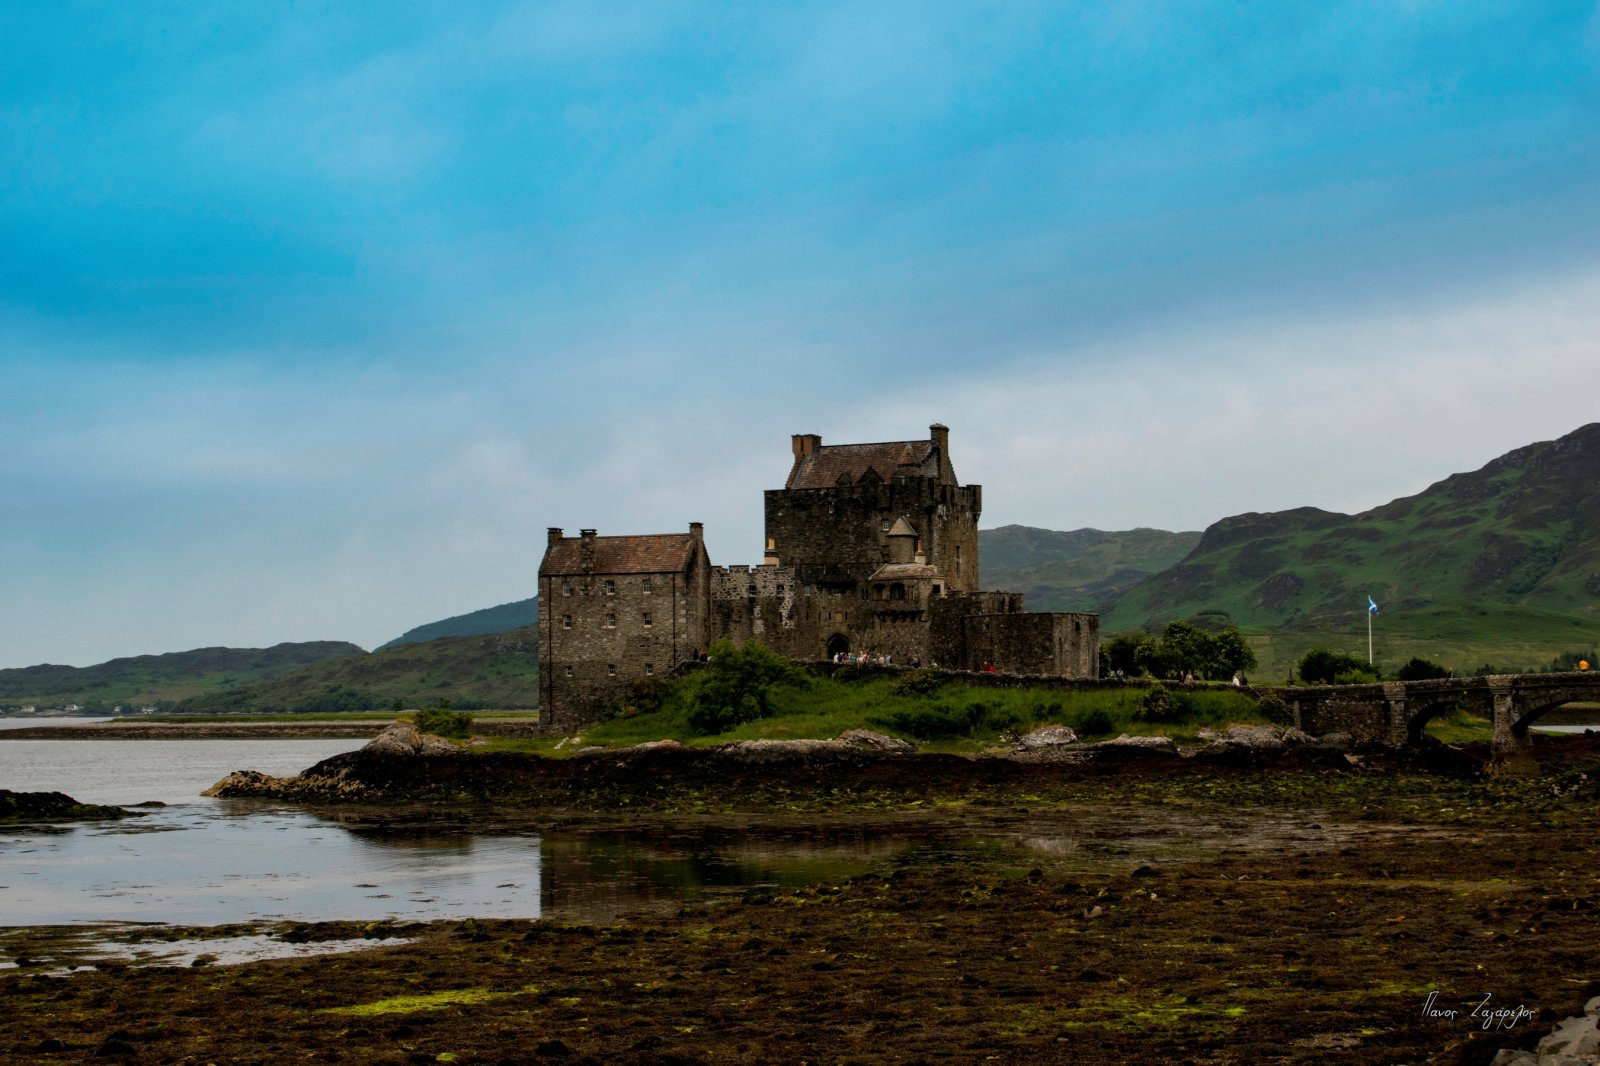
866 658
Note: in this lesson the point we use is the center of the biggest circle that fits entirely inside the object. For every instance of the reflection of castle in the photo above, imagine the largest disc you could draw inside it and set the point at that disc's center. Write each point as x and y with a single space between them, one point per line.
870 547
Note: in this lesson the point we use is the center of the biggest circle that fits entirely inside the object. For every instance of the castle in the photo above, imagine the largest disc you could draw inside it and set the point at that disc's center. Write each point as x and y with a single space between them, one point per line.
869 548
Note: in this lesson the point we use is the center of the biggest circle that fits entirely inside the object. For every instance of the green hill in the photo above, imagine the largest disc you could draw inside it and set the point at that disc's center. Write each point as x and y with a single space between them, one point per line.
473 672
499 619
1081 570
150 679
1505 556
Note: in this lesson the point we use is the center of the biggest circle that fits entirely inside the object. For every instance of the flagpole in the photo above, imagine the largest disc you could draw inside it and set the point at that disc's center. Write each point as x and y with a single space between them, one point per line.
1369 637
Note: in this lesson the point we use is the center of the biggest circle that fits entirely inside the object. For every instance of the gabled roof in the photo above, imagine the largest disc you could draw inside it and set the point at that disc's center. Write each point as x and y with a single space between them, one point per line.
655 553
823 468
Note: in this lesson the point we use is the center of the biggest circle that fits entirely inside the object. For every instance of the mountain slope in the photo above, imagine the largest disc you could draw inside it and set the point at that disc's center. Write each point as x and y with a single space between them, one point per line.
1081 570
499 619
153 678
1522 532
498 670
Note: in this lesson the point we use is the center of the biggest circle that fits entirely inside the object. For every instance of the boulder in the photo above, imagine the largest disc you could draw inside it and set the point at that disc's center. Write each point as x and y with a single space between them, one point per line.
866 738
1126 745
1047 736
405 739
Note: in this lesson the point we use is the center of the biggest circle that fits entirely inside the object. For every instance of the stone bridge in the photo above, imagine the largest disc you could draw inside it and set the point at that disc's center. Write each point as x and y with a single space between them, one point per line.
1396 712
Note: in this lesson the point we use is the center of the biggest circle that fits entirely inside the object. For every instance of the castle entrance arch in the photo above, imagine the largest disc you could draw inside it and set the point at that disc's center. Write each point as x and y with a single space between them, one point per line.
838 644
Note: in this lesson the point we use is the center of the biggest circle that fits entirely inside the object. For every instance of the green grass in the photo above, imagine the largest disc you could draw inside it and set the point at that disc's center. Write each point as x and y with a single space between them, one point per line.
1463 638
826 707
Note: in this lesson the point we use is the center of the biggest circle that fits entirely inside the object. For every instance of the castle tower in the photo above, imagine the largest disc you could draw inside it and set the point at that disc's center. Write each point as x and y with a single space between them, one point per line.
833 518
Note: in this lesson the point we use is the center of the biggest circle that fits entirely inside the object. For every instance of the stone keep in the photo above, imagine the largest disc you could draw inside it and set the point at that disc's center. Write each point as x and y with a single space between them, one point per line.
869 548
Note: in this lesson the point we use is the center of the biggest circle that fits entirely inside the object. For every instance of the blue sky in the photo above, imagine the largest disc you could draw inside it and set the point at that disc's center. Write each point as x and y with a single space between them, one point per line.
314 316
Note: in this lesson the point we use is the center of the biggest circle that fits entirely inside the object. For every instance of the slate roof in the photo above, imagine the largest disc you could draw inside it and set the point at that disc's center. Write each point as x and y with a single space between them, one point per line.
906 572
823 467
655 553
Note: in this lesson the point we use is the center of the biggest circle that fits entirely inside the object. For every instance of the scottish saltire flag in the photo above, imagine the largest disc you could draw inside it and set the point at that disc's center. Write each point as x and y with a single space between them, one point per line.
1372 605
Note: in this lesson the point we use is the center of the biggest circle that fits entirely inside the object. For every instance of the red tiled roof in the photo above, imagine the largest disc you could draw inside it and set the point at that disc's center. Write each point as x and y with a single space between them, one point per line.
823 467
655 553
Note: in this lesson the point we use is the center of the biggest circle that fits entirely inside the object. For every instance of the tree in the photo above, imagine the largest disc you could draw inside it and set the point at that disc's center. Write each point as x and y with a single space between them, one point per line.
737 685
1322 666
1419 669
1125 652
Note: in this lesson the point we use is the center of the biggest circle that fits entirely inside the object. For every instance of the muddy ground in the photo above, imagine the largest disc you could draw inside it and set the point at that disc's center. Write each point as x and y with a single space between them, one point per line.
1318 945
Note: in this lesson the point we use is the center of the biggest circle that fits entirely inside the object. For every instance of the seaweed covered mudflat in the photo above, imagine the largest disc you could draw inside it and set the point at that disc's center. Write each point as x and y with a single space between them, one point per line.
1397 913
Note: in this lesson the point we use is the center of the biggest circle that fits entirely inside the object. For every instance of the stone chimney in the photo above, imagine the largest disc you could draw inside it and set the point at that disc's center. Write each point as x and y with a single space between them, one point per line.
804 444
552 536
697 532
586 549
940 435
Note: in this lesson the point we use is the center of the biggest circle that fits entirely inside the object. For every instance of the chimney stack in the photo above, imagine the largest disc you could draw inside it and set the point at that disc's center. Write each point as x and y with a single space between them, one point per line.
586 549
552 536
805 443
697 532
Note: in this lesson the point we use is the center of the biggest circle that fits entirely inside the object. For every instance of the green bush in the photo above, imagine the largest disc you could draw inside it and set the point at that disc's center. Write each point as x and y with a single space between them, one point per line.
644 696
918 683
1320 666
1275 710
1419 669
737 686
945 722
1162 706
1095 723
443 722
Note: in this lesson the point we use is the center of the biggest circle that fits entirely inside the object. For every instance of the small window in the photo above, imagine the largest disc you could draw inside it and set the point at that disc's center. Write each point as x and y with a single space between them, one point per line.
750 592
566 621
883 526
566 588
647 584
611 669
647 619
611 587
649 669
569 670
611 621
780 590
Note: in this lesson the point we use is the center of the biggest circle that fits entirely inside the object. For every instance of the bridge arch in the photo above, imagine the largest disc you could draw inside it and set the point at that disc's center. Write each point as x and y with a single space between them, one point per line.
1421 713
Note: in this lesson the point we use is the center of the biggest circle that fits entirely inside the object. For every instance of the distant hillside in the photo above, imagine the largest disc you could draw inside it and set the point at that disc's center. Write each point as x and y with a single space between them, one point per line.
498 670
148 679
1514 541
489 620
1083 570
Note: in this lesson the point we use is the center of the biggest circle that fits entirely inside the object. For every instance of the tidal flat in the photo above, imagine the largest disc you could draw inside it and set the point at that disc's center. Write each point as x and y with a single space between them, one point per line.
1302 910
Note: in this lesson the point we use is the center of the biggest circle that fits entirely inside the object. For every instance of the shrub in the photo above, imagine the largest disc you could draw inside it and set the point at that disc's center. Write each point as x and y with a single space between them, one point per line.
1162 705
945 722
1419 669
1274 709
918 683
443 722
737 686
1360 676
1095 723
644 696
1323 667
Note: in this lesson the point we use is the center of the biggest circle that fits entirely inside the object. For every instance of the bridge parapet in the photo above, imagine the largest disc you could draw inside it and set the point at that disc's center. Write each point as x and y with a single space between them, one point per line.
1395 712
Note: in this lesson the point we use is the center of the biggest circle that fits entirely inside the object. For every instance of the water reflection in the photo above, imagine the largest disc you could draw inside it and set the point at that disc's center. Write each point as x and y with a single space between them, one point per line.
208 864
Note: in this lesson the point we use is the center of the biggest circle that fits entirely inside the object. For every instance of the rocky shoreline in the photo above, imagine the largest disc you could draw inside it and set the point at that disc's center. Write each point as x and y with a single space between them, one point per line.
34 808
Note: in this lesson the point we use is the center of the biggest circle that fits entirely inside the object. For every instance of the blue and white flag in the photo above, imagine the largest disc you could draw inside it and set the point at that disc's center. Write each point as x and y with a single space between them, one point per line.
1372 605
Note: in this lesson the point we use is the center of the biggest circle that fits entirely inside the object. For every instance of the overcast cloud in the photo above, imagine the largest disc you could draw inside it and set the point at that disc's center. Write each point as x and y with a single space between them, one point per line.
313 319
